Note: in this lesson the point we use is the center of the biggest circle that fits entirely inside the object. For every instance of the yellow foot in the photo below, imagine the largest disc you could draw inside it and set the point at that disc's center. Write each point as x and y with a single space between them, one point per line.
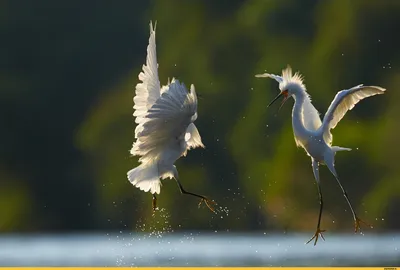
357 226
209 204
317 234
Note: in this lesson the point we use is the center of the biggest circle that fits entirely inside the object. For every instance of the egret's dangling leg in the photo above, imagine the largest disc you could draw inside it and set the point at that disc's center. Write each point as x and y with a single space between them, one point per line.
207 201
154 203
318 232
331 166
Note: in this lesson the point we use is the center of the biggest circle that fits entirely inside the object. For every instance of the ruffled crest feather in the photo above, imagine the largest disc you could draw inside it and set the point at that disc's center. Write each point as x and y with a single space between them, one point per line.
288 78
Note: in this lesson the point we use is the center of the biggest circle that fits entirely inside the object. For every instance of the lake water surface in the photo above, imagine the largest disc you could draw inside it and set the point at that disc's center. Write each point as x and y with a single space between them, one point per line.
198 249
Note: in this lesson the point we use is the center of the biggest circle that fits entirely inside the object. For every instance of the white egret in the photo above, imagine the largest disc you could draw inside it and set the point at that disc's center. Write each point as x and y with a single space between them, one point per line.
315 136
165 128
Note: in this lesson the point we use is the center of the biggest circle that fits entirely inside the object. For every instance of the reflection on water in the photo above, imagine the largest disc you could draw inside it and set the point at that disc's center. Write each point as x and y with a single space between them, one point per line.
198 249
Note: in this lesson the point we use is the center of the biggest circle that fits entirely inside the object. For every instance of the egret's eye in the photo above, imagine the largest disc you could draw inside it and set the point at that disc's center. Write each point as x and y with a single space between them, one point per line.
285 93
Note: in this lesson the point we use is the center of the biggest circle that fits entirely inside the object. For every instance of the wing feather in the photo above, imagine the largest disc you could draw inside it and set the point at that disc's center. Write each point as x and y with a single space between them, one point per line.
166 122
147 91
344 101
192 138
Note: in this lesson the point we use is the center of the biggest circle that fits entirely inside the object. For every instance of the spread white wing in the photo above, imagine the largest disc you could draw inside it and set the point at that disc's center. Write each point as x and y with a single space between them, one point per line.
148 91
344 101
166 123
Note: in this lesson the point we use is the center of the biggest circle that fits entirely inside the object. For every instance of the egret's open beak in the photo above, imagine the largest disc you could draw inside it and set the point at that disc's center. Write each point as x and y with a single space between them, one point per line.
283 102
285 98
275 99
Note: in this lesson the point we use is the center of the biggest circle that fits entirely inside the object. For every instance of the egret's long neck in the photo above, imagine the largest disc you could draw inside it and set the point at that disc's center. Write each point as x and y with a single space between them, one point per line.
297 113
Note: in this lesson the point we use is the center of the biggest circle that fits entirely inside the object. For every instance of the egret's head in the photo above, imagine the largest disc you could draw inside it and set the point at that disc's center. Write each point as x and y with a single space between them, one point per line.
289 84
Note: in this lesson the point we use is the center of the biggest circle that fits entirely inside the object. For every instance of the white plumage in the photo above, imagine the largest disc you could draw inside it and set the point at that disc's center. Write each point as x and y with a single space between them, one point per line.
309 115
344 101
165 125
312 134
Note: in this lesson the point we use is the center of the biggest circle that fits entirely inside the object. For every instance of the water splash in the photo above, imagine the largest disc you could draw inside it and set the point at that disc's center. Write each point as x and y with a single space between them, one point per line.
157 226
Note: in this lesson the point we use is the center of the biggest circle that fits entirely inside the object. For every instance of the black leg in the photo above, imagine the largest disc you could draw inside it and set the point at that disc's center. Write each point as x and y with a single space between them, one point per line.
203 198
321 205
319 231
154 203
357 221
347 199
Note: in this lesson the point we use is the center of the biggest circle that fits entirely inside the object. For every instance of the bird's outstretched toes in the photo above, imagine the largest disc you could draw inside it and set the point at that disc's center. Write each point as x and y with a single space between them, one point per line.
357 227
317 234
209 203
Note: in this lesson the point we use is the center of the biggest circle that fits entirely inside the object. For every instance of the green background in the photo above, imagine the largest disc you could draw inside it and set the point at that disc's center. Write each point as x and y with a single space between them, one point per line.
67 75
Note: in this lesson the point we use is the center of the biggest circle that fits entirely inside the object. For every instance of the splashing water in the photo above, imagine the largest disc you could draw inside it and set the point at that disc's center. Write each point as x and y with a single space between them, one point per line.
154 227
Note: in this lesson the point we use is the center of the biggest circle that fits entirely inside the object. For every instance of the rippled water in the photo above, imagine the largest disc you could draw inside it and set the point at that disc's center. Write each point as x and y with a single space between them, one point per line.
198 249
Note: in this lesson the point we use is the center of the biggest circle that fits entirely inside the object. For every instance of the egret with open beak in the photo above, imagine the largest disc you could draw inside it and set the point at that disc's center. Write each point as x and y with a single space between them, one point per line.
285 95
315 136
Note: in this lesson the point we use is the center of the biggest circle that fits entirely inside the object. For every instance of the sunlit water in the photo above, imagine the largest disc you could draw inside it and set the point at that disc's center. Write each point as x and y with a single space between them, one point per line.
198 249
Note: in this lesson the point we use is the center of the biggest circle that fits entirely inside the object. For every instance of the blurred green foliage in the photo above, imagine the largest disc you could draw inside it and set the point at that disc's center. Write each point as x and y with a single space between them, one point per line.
67 75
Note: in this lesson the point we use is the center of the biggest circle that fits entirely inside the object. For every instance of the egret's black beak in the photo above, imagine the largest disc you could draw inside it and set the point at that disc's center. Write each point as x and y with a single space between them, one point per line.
283 102
285 98
275 99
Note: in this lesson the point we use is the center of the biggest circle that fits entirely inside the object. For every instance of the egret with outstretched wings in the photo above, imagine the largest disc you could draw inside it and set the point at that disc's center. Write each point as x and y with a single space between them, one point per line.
312 134
165 128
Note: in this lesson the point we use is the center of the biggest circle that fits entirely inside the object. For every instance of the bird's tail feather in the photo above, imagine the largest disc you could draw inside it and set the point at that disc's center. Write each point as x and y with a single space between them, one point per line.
146 178
338 148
